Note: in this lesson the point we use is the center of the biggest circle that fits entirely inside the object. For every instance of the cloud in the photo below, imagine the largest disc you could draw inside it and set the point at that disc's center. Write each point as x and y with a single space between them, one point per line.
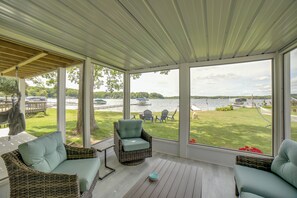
212 76
263 78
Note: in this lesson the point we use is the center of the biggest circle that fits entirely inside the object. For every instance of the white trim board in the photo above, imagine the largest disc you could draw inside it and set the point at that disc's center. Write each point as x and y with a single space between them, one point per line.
219 156
206 63
233 60
97 62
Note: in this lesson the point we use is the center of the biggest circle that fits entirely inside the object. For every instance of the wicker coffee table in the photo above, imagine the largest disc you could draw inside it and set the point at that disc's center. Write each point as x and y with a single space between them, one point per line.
176 180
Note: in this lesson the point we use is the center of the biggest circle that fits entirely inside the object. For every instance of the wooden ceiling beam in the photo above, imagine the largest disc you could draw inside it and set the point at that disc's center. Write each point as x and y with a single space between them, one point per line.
50 62
9 58
58 59
10 62
44 65
17 47
21 64
36 62
40 67
4 66
13 74
27 68
10 52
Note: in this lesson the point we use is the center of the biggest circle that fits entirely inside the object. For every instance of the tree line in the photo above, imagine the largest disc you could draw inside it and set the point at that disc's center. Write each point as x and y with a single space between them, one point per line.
52 93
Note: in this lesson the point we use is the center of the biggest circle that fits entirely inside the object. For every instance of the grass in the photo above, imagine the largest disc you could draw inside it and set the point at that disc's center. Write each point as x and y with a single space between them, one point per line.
228 129
40 125
233 129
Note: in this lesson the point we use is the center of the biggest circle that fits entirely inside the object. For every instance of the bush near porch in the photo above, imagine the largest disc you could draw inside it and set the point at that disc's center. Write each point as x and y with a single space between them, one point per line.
228 129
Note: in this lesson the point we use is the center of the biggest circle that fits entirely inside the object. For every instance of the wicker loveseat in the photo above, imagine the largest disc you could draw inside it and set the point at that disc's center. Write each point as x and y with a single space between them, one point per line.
267 177
131 143
71 176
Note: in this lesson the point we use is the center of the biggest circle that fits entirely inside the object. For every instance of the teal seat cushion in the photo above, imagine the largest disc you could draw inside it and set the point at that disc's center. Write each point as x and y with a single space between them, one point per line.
249 195
262 183
44 153
285 163
130 128
85 169
134 144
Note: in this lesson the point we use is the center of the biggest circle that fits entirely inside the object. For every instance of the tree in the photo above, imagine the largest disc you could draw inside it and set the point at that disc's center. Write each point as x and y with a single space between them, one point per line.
112 79
156 96
8 86
72 92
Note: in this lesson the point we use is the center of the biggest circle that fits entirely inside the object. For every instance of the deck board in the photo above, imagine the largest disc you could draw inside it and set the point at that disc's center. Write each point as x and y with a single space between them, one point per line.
218 181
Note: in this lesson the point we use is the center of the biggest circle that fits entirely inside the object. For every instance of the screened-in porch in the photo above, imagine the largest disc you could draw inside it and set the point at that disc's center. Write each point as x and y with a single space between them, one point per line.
210 80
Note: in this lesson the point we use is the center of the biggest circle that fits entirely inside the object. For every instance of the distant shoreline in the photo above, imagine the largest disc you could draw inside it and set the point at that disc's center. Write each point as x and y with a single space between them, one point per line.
157 105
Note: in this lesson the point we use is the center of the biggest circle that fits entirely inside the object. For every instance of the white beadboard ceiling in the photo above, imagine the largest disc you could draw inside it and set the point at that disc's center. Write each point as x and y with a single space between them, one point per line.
134 34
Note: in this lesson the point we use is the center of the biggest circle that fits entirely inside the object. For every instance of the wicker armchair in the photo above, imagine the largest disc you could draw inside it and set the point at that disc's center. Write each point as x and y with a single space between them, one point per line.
131 157
253 162
27 182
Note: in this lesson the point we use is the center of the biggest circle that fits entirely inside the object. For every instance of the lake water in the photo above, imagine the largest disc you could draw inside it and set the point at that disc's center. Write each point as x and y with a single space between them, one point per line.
156 105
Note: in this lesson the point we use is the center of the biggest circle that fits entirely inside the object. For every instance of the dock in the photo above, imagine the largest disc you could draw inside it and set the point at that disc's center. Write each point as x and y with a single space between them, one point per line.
32 107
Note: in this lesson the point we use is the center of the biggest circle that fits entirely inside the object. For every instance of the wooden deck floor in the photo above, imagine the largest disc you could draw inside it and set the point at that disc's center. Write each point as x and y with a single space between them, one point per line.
217 180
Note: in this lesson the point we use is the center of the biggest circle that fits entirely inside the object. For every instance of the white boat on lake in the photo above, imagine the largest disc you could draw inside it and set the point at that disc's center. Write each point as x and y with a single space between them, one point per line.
143 102
238 102
99 101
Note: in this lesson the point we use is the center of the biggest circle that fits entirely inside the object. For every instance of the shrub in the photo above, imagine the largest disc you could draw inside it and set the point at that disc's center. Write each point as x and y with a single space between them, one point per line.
227 108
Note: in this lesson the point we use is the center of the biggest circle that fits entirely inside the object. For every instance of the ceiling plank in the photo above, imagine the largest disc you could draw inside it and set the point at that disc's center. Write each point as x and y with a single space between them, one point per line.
13 59
15 53
34 58
41 67
59 59
8 62
16 47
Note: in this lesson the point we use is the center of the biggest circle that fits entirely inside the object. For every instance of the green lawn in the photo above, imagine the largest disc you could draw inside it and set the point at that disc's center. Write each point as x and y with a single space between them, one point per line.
40 124
228 129
294 131
233 129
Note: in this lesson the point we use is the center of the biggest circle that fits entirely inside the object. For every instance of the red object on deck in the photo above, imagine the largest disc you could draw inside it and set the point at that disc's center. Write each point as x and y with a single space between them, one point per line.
251 149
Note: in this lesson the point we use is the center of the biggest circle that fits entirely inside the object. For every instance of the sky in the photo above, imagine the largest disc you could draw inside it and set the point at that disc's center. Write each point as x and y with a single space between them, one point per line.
167 85
240 79
243 79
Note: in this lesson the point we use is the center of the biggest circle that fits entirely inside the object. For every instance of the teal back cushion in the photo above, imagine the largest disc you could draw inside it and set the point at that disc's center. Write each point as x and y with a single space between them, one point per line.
44 153
285 163
130 128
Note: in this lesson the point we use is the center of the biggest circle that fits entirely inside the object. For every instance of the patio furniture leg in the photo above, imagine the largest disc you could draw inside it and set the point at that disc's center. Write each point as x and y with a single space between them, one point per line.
105 164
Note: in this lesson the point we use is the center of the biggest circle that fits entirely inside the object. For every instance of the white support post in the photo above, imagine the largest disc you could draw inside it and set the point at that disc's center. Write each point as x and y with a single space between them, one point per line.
278 101
22 86
61 102
287 96
126 95
184 109
86 102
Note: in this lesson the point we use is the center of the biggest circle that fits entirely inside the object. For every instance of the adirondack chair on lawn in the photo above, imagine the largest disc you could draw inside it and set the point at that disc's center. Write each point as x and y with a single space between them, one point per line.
163 117
171 117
